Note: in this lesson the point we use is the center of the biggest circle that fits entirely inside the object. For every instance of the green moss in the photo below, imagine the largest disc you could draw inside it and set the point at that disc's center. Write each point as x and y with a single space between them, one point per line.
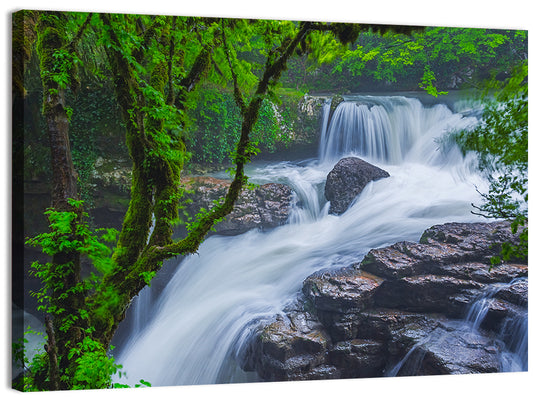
368 260
335 102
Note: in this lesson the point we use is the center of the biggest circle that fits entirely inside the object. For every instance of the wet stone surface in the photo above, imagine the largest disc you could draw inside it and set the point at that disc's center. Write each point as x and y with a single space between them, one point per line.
347 180
264 207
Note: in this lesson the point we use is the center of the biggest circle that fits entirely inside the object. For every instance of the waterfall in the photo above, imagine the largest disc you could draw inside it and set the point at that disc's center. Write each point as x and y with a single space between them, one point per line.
387 130
513 333
141 309
218 297
511 339
326 109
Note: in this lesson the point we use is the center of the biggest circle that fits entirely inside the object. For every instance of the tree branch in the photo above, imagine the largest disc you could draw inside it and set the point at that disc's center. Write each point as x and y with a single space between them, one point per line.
199 67
236 90
80 32
191 243
171 95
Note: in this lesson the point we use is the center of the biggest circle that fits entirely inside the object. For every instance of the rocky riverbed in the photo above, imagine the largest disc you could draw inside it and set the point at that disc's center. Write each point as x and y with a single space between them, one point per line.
405 309
401 311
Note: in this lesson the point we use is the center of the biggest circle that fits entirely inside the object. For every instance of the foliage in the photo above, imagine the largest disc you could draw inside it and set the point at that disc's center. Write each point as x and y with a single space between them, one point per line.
95 130
155 65
92 367
216 111
428 58
21 359
94 370
501 142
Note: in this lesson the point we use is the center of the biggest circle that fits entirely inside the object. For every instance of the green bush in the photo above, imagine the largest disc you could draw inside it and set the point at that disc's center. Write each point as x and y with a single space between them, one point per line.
214 130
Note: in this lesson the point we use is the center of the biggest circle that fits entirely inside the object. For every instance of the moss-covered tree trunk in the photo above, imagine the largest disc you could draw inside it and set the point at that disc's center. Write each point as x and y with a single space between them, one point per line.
64 274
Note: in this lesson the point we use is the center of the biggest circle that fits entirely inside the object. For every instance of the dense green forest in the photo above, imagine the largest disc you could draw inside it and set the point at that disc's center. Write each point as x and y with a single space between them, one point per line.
443 58
178 94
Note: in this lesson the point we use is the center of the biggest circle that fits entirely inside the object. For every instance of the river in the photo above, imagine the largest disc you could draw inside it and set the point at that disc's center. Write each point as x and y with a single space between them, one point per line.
196 329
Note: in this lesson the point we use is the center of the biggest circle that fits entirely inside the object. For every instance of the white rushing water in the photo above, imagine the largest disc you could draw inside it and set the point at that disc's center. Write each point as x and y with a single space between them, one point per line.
216 298
511 339
513 335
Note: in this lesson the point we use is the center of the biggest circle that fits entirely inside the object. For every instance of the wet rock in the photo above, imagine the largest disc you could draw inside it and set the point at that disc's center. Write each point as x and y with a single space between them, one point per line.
359 357
111 175
348 290
382 323
442 246
347 180
403 337
426 293
396 261
450 349
516 293
466 242
291 347
321 372
335 102
481 273
497 313
264 207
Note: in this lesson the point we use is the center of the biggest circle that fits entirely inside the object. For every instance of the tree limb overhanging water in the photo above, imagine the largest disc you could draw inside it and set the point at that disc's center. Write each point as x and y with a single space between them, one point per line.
218 298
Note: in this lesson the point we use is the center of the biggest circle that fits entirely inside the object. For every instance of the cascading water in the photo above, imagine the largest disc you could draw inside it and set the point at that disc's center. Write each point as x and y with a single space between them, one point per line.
511 339
385 129
513 334
218 297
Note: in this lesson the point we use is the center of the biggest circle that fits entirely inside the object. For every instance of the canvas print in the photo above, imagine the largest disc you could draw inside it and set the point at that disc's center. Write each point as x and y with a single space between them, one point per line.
222 200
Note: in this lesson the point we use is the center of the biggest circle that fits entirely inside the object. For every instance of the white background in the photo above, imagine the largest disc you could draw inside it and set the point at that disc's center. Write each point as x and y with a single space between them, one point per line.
502 14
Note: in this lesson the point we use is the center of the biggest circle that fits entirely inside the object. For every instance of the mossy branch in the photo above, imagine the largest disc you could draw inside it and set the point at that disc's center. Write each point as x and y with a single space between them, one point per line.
147 257
272 73
237 94
74 42
199 67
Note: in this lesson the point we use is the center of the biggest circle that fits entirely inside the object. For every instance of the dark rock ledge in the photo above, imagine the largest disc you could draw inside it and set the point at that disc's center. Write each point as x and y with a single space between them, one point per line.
361 321
266 206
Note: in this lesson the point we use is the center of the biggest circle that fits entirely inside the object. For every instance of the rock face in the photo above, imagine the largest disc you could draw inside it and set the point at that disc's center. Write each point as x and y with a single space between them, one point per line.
266 206
402 311
346 181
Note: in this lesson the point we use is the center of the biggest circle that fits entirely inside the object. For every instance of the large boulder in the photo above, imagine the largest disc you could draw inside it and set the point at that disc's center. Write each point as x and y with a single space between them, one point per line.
264 207
293 347
347 180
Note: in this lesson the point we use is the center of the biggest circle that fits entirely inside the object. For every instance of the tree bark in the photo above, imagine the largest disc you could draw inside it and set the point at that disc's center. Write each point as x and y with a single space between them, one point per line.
65 266
51 349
